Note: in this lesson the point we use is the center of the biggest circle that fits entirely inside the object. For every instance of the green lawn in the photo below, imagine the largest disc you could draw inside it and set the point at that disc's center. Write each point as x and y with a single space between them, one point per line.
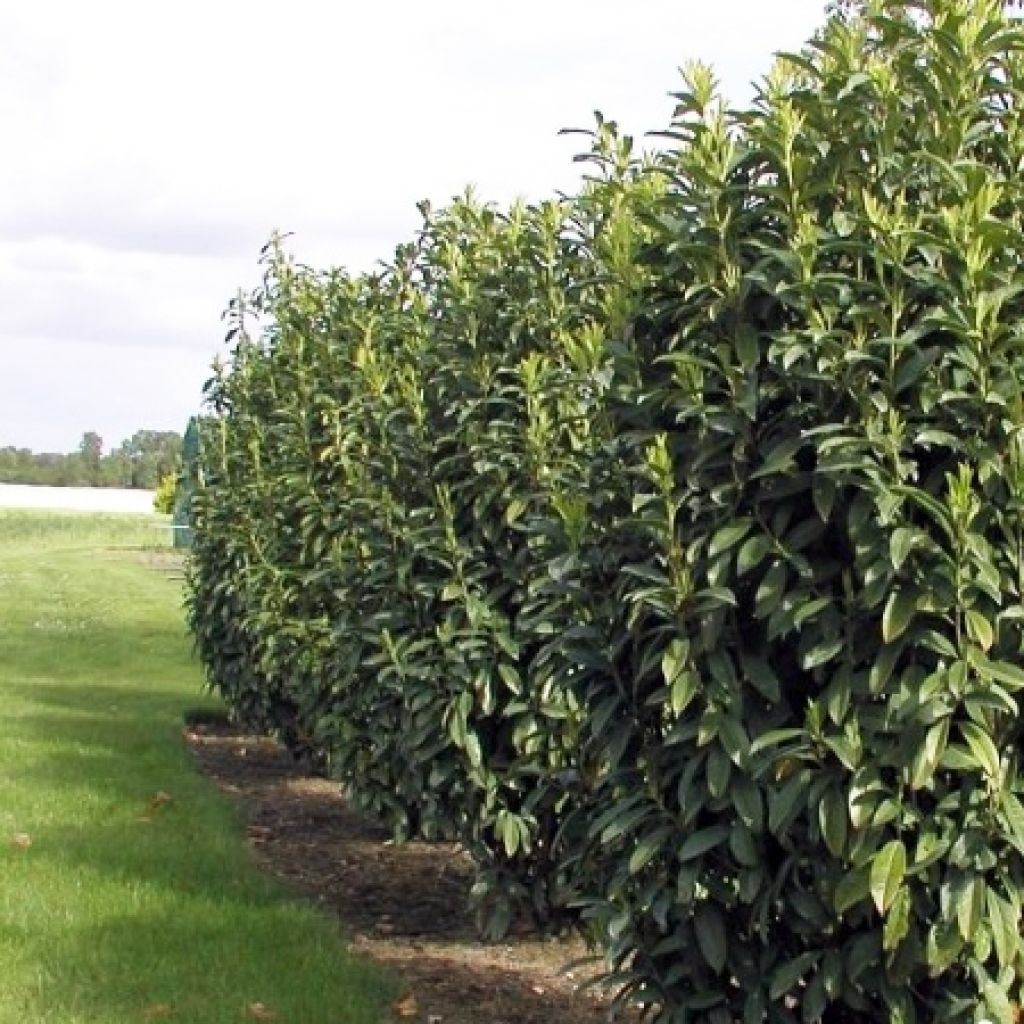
105 916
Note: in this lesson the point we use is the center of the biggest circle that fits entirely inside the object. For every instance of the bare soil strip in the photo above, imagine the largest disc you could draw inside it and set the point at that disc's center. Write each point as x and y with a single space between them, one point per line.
402 905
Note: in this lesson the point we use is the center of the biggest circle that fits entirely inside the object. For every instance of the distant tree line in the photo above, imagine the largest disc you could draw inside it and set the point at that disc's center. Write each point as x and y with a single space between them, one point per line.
142 461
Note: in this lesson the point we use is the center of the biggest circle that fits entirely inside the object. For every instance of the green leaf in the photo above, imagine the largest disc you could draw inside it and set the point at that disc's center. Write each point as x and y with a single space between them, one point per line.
866 793
853 888
814 1000
783 803
942 947
748 346
929 754
979 629
1002 671
982 748
848 753
997 1002
913 367
747 799
1012 818
1003 922
752 553
700 842
900 545
779 458
734 740
885 662
823 494
755 1007
775 738
785 978
832 973
809 609
897 921
822 653
888 868
844 224
647 849
516 507
674 660
471 744
770 590
761 676
718 771
684 689
711 936
742 845
929 849
729 536
508 829
899 610
833 821
970 905
510 676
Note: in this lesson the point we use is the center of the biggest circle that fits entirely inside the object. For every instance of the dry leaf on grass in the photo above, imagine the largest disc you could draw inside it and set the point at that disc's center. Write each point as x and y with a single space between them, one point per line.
157 801
260 1011
406 1006
22 840
161 1011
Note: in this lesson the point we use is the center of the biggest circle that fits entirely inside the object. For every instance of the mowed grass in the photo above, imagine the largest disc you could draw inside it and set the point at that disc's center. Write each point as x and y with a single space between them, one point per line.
116 904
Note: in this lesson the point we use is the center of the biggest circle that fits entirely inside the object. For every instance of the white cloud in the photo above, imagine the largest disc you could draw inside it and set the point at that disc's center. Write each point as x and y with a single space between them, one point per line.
151 149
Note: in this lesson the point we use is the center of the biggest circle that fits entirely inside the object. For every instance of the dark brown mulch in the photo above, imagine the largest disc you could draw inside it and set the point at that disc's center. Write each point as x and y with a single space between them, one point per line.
403 905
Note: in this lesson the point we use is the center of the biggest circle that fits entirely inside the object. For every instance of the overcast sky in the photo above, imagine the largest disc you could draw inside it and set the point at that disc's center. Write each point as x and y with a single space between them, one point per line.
149 150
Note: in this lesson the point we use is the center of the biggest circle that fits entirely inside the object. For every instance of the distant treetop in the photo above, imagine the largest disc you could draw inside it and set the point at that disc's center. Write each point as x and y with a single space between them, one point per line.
141 462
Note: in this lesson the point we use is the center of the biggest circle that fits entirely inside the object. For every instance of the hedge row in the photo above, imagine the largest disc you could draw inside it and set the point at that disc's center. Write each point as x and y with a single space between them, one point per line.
664 544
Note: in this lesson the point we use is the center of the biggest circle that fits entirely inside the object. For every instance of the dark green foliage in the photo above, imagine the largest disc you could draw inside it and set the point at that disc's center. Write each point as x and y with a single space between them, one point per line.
664 544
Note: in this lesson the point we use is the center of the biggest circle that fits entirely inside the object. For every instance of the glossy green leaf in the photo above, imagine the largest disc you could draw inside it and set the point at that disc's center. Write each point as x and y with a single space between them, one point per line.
899 611
770 590
702 841
901 544
674 660
929 754
888 868
970 905
787 975
833 821
897 920
979 629
728 536
709 925
1003 922
1004 672
718 771
982 747
752 553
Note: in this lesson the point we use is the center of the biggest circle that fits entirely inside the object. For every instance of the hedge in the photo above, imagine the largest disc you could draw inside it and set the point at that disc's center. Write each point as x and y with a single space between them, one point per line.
663 544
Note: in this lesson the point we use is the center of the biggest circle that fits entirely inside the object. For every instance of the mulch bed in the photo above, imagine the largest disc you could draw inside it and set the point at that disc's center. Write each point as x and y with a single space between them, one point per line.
402 905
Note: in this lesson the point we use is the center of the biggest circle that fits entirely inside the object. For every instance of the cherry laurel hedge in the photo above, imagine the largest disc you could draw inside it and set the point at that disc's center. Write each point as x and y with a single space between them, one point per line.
665 544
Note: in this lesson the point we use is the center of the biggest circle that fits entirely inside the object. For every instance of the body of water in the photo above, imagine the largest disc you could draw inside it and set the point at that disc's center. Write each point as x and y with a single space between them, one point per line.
75 499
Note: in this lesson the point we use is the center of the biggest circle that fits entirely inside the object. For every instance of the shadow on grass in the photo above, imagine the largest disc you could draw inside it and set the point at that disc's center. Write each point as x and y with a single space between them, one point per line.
98 737
131 705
